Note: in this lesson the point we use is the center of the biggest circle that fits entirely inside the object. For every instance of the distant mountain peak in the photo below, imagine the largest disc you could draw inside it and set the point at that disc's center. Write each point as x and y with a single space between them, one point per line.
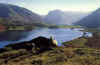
98 9
57 11
91 21
59 17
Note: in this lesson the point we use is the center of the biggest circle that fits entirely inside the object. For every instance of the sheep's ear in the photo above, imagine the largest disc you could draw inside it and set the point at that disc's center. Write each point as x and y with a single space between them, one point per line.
51 37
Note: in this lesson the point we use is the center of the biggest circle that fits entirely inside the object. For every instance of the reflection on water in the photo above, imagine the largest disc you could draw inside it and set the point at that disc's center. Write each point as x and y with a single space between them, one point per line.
8 37
12 35
61 35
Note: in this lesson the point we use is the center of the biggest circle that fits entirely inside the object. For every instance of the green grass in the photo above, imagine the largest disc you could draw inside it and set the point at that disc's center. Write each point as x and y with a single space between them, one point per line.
63 26
80 42
77 55
57 56
17 28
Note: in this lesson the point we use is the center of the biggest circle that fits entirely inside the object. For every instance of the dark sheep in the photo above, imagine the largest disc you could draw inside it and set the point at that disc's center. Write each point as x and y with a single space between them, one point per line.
43 43
40 43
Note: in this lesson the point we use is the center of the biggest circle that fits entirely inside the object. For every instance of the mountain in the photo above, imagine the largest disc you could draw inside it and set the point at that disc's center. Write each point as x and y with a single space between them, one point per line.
91 21
17 18
15 15
60 17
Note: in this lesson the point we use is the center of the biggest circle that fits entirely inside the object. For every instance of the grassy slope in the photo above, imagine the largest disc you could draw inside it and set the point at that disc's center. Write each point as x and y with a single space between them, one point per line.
63 26
58 56
80 42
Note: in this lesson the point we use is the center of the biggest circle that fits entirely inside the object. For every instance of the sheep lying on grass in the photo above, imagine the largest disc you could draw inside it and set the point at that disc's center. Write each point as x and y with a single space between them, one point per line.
39 44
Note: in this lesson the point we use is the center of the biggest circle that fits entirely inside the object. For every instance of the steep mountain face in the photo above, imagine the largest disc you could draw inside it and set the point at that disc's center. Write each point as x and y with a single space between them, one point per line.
65 18
91 21
16 18
14 15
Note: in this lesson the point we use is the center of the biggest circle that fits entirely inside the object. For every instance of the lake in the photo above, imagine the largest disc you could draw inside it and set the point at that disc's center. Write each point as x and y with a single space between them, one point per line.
61 35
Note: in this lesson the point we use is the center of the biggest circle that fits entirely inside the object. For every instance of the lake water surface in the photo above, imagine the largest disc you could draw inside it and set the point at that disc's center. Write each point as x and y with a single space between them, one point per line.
61 35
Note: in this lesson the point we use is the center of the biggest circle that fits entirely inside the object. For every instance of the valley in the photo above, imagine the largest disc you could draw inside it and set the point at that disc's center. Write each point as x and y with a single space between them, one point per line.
60 35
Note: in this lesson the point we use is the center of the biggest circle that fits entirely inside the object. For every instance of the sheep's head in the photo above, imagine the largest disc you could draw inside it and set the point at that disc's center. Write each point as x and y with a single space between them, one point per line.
53 42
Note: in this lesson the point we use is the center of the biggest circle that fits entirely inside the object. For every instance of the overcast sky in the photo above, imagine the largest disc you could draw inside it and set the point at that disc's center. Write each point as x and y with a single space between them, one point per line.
43 6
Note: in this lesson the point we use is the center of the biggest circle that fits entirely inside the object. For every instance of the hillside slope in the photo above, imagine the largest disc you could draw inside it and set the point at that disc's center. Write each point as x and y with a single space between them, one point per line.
91 21
15 15
57 56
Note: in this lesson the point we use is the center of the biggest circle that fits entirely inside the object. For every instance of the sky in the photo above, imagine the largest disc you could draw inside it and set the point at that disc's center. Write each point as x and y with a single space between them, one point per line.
42 7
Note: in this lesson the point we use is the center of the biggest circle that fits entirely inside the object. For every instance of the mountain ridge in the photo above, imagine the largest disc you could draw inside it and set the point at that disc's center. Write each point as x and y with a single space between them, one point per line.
90 21
18 15
61 17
